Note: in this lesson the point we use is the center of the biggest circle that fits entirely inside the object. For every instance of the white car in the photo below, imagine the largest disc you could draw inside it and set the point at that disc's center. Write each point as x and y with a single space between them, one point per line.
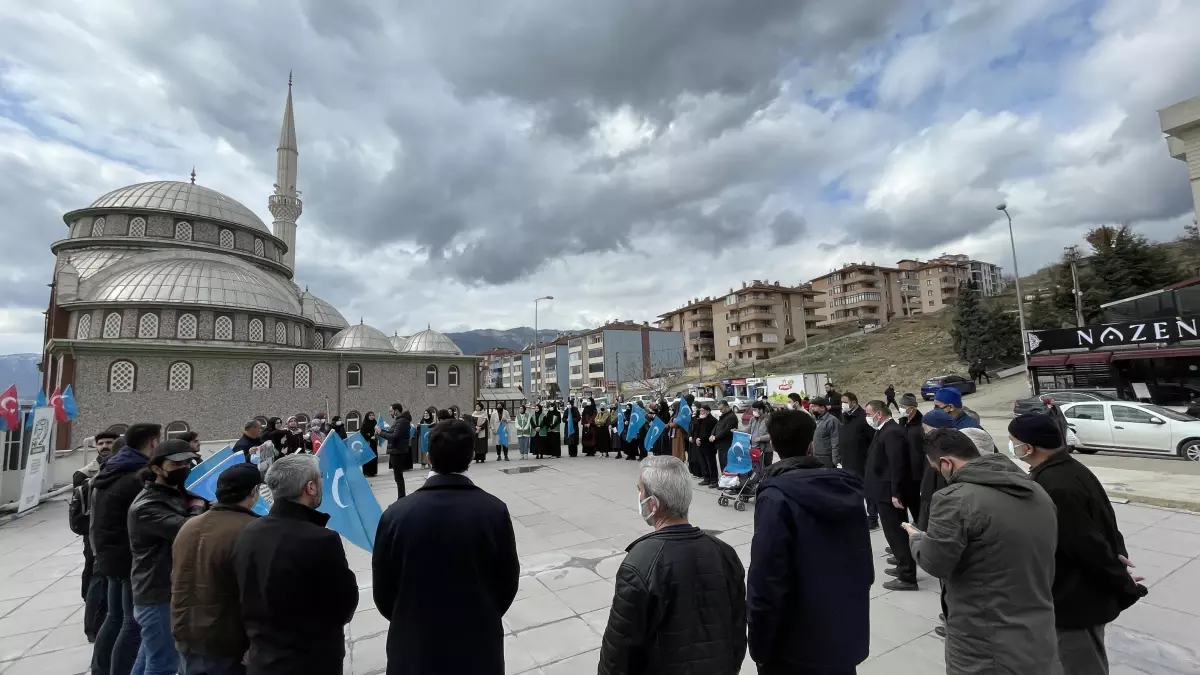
736 404
1125 426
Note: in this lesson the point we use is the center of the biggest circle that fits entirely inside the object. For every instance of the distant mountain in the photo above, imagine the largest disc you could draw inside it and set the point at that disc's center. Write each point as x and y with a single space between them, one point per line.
21 370
476 341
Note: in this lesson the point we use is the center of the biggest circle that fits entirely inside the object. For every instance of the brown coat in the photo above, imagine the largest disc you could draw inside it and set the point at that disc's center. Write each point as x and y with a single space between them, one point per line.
206 616
679 445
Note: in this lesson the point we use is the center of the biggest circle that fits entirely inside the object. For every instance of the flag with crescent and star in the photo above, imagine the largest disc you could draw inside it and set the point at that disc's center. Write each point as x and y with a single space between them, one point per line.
738 460
202 480
637 417
620 421
39 402
70 406
56 402
683 418
657 426
10 409
353 510
360 448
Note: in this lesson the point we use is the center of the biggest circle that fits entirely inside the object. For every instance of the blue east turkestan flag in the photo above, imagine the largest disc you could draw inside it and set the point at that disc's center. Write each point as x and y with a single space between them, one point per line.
360 448
636 419
620 421
39 402
353 510
502 434
202 480
683 418
738 460
70 407
570 421
656 429
379 423
423 444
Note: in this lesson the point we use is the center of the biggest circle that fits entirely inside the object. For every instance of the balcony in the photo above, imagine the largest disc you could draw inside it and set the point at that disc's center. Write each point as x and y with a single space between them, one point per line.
700 323
813 304
750 302
752 312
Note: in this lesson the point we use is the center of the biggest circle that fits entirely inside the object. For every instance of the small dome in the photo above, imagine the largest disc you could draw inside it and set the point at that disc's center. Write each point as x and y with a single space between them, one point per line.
182 199
430 341
328 316
399 341
361 337
196 280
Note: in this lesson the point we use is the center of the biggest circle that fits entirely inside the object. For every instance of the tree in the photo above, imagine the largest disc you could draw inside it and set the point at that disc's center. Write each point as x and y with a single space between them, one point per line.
1124 264
970 324
1041 314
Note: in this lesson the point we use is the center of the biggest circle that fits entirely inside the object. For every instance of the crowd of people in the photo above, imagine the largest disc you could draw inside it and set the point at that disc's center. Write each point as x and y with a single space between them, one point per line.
1032 567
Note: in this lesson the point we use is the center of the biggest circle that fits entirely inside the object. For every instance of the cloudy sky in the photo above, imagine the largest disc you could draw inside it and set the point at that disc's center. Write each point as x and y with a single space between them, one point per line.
459 158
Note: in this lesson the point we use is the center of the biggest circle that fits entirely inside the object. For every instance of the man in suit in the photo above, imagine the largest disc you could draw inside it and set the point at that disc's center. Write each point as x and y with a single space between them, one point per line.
445 567
895 485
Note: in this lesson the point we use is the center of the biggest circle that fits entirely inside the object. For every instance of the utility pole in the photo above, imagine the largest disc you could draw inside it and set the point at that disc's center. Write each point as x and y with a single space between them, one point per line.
617 375
1073 256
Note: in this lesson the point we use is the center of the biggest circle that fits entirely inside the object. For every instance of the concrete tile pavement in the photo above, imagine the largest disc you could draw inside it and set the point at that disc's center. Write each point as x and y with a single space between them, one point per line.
573 519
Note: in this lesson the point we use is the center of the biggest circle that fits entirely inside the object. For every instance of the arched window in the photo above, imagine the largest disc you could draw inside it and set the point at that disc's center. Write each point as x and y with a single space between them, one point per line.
83 330
226 239
118 429
176 429
318 341
354 375
137 227
179 377
302 377
183 231
256 330
258 248
186 329
431 376
98 227
262 420
223 328
260 376
112 326
452 376
353 421
297 336
302 420
454 410
280 333
122 377
148 326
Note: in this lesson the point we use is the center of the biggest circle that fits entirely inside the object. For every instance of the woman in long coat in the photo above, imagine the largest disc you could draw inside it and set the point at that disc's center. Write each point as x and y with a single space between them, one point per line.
614 435
553 425
481 433
571 427
368 431
601 440
497 417
538 442
587 428
524 430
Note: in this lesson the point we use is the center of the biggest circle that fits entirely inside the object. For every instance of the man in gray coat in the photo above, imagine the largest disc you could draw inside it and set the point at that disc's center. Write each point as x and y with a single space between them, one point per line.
825 440
991 539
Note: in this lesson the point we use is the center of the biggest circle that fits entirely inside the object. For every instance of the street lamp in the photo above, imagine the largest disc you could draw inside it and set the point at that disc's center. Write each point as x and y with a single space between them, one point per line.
541 359
1020 298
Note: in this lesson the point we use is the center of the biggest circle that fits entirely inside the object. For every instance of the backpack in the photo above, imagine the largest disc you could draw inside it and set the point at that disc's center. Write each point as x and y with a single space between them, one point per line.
79 509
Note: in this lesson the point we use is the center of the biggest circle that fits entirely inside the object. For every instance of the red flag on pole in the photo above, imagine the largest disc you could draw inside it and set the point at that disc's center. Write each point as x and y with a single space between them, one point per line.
10 410
56 401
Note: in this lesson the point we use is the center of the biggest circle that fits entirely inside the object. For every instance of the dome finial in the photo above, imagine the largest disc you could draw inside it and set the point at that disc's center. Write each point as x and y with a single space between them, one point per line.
193 174
289 78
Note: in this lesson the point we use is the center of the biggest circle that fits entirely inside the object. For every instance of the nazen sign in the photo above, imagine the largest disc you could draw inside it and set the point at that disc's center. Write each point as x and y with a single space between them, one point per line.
1136 332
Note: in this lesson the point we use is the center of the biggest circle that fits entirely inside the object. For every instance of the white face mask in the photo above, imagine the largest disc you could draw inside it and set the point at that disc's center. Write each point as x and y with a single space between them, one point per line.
1012 450
875 424
648 517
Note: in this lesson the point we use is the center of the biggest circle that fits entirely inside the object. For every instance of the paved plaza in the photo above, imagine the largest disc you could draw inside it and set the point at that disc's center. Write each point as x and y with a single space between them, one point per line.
573 519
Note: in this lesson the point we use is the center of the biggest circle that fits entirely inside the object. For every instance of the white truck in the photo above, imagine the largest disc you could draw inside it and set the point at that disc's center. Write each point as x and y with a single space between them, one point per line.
779 386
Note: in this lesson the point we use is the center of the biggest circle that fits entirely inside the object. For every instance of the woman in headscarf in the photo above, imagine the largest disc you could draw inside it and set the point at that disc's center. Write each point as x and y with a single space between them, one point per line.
643 451
273 431
601 439
292 440
538 442
524 430
553 432
587 428
571 427
679 437
369 431
337 426
497 418
312 440
419 452
481 433
665 414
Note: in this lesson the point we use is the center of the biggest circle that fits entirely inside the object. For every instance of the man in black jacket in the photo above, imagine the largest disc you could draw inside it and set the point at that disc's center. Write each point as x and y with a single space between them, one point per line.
699 443
808 592
250 440
835 400
854 441
113 491
79 510
895 484
296 588
722 434
680 601
446 556
399 452
1092 583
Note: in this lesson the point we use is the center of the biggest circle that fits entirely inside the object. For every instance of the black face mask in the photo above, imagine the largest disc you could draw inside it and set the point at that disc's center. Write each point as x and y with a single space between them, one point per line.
177 477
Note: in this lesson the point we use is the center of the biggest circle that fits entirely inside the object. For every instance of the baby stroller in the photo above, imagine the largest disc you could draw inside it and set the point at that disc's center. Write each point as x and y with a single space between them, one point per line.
739 480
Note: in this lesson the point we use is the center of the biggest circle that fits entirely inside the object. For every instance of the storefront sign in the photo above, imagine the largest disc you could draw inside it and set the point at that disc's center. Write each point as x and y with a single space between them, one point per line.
39 453
1130 333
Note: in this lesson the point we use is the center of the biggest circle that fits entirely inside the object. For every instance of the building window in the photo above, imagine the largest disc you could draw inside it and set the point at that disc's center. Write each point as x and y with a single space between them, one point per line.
258 248
280 333
256 330
353 375
183 231
83 331
148 326
176 429
186 329
595 367
112 326
302 420
451 376
595 353
180 376
223 328
318 341
931 303
122 377
297 336
98 227
260 376
262 420
302 377
353 422
431 376
137 227
226 239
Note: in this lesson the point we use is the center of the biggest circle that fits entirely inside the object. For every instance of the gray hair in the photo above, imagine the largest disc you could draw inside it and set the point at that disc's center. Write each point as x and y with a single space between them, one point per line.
982 440
668 479
288 475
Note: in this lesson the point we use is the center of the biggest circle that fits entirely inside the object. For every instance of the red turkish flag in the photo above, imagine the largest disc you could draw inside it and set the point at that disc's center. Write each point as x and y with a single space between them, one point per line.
10 410
60 413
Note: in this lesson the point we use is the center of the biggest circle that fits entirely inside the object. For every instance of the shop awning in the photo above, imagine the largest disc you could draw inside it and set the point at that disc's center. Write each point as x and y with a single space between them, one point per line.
1169 353
501 394
1048 360
1094 358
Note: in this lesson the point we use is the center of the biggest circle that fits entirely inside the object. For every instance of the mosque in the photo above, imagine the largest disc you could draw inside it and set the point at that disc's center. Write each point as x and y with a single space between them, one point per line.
175 304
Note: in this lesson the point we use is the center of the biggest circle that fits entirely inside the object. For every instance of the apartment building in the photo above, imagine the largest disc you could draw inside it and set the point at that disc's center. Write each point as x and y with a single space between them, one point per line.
940 280
550 358
694 321
598 359
988 278
512 371
860 294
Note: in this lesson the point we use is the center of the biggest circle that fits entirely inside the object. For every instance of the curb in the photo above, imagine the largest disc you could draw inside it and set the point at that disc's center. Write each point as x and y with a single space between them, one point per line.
1180 504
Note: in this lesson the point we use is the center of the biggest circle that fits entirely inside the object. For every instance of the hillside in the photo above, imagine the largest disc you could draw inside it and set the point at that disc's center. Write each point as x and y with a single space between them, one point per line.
481 340
21 370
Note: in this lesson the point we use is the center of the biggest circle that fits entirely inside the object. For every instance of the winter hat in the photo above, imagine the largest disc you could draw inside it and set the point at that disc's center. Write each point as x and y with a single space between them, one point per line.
949 396
237 482
174 450
819 400
937 419
1036 430
908 401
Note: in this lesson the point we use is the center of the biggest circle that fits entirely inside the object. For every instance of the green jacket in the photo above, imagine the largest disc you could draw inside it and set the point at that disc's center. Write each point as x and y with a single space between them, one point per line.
538 419
524 424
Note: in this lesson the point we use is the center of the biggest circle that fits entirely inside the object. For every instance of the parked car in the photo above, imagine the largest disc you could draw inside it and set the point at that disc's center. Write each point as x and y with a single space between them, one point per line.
1062 397
933 384
1125 426
736 403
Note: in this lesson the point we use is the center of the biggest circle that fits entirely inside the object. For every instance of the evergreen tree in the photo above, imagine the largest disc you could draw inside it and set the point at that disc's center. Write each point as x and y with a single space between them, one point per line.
1004 333
1041 314
969 325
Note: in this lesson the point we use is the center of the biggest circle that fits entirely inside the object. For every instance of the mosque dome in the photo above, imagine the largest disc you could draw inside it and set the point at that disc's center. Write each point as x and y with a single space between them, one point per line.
399 341
195 280
180 199
327 315
361 337
430 341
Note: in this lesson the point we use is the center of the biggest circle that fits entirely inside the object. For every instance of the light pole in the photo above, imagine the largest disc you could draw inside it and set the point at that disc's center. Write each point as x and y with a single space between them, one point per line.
1020 298
541 360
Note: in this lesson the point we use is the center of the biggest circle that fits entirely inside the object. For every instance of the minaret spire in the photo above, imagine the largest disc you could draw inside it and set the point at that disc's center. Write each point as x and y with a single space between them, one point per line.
285 203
